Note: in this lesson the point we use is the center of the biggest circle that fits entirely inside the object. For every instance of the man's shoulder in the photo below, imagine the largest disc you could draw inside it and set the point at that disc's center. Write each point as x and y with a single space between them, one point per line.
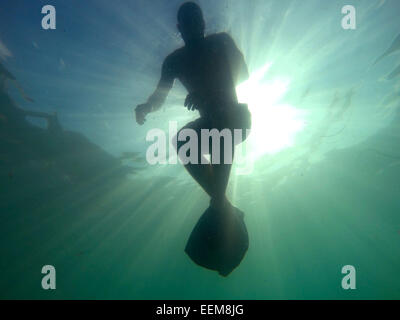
220 37
175 55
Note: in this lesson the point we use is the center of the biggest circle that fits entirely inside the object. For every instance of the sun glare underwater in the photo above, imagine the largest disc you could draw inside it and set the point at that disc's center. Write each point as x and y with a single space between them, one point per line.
318 178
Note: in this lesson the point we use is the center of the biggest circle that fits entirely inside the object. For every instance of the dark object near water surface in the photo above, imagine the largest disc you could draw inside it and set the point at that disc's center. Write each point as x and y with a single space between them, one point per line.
219 240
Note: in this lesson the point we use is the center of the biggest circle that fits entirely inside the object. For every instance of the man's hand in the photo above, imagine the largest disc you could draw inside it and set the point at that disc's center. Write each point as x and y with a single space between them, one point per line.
193 101
141 111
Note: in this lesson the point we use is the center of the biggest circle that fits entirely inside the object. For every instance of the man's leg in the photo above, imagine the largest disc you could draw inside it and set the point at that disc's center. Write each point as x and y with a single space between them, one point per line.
202 171
220 173
213 178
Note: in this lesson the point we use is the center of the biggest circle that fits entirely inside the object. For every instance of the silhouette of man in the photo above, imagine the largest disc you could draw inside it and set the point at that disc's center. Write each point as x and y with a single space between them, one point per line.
209 68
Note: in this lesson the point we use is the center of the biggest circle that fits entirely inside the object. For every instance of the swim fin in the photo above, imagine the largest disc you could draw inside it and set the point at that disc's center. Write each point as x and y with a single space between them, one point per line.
219 240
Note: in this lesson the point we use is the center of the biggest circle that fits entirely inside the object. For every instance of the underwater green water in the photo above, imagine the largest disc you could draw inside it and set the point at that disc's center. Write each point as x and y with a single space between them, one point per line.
320 186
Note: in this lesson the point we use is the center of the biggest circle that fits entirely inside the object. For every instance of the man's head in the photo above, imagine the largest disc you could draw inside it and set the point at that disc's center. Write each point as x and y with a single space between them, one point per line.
191 24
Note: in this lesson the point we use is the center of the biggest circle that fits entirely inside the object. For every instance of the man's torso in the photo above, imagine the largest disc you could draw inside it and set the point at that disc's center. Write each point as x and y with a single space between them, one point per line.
205 69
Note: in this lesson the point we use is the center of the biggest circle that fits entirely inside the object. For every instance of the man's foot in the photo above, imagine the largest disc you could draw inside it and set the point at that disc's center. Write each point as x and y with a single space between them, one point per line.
220 204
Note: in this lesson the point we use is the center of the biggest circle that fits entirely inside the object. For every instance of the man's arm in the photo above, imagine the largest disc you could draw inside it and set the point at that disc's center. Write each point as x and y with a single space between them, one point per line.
158 97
